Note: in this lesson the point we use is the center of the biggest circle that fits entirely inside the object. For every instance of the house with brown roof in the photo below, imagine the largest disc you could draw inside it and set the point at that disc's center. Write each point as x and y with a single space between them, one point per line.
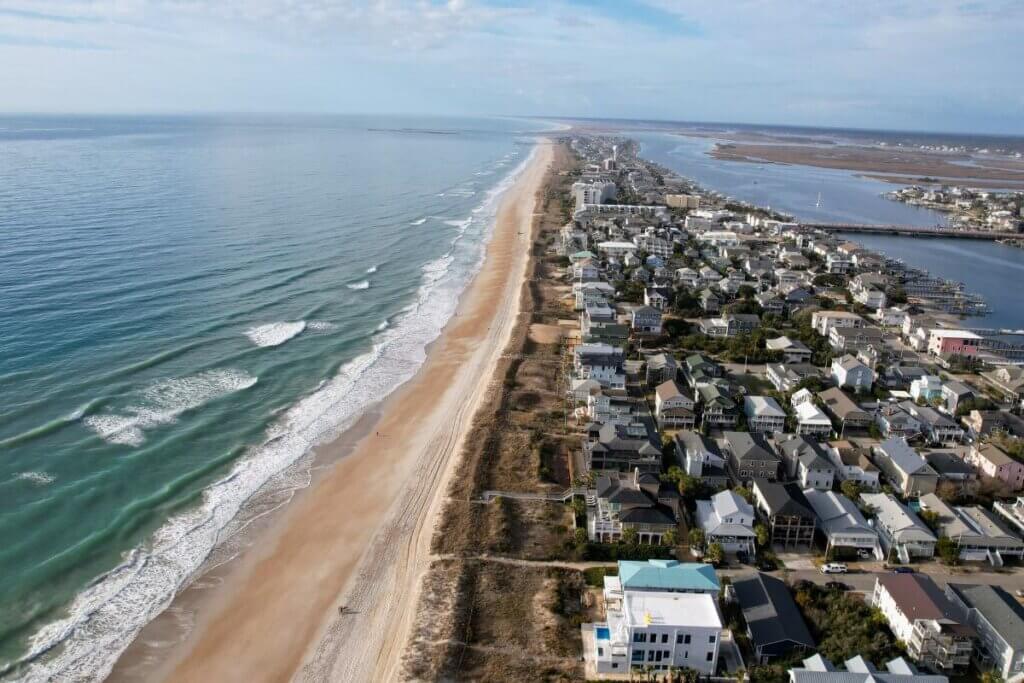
994 462
924 620
842 408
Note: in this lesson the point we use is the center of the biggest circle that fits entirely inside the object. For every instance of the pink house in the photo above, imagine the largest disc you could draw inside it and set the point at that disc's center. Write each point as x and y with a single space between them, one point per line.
992 461
953 343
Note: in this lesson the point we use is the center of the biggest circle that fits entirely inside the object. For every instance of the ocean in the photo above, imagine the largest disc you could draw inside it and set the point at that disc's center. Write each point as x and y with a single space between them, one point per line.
189 305
986 268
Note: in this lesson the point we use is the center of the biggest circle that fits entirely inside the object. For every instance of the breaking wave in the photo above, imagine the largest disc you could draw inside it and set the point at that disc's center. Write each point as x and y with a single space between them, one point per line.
163 402
365 284
275 334
104 618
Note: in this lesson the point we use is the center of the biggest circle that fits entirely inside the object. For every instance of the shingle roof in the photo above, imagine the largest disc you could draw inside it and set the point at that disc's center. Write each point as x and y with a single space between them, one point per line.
784 499
918 597
770 612
746 446
998 607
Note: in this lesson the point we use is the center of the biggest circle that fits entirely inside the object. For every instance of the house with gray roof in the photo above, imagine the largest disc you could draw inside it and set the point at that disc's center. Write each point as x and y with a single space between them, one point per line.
727 519
905 468
699 456
807 461
774 624
623 448
750 456
641 502
793 350
842 523
817 669
790 518
900 531
979 535
998 619
717 408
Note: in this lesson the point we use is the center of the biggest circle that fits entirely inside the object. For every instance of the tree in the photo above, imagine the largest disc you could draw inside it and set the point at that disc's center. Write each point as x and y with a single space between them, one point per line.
746 292
696 537
715 554
850 489
930 517
580 536
947 550
762 534
630 536
670 538
744 493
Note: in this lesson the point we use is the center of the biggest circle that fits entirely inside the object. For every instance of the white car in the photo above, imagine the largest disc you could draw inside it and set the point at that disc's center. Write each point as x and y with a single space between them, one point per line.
833 568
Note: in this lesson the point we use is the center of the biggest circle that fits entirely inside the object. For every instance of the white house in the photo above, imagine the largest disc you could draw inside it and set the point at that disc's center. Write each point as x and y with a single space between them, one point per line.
900 531
811 421
764 414
661 630
727 519
848 372
842 523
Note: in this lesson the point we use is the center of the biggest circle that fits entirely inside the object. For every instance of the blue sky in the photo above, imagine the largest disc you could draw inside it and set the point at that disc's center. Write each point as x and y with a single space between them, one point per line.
927 65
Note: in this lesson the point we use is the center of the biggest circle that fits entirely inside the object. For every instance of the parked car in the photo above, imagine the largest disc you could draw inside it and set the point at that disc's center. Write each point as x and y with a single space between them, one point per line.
833 568
903 570
864 554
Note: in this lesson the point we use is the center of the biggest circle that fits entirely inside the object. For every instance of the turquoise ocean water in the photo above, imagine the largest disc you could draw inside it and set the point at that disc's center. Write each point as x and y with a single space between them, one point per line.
187 306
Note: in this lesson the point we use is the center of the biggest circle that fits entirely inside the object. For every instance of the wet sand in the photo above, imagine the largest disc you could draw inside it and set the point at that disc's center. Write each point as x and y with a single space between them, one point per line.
360 535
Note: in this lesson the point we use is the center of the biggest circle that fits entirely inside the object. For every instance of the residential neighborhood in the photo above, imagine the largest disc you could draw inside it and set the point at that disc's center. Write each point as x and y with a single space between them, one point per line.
782 455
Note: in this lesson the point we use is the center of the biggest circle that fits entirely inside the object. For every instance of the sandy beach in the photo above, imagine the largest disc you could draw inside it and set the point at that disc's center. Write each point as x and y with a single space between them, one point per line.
360 536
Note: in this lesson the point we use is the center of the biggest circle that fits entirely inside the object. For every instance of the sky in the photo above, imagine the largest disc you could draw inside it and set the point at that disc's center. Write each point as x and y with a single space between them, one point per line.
942 65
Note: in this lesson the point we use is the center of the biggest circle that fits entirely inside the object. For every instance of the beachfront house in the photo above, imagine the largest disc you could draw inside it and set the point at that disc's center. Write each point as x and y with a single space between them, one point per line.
653 630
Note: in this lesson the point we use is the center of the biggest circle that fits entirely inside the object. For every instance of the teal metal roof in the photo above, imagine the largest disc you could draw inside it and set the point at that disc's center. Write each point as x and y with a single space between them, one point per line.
670 575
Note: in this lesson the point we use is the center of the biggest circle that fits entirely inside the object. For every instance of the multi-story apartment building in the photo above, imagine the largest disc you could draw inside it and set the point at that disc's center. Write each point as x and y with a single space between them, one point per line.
998 619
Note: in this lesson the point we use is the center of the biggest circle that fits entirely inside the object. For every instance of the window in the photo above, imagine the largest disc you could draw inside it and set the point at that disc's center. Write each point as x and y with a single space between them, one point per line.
664 637
650 655
711 639
679 639
686 639
711 655
615 665
666 654
657 655
638 655
639 637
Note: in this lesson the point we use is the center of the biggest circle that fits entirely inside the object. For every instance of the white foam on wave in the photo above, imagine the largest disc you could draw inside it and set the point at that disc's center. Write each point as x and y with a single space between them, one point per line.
365 284
462 224
383 326
104 618
371 269
320 326
37 478
419 221
275 334
161 403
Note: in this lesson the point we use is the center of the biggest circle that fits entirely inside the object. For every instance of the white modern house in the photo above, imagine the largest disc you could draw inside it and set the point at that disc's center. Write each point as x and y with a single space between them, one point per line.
659 629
